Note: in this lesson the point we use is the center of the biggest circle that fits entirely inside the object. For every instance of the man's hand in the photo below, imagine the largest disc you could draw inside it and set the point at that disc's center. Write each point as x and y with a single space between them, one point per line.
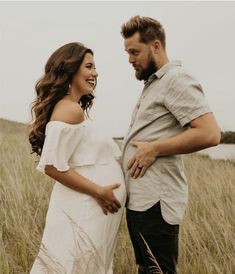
144 157
201 133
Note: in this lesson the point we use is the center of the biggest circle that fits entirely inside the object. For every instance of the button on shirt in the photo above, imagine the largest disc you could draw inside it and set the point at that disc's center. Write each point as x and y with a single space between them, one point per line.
171 98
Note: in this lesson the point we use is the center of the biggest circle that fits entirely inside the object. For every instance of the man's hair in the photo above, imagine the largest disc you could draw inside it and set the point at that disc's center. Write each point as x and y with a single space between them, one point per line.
148 28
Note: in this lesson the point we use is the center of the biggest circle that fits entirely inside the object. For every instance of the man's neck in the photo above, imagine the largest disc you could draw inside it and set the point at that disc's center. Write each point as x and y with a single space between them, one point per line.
162 61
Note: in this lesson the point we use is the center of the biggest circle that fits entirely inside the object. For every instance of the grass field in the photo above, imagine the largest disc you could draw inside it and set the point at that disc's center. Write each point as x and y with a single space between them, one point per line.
207 235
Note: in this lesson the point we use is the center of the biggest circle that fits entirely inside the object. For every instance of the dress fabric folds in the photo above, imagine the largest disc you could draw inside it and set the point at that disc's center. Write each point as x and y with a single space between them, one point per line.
78 238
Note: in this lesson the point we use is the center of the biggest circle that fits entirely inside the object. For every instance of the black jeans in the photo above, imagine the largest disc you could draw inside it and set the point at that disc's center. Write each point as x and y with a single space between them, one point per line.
149 227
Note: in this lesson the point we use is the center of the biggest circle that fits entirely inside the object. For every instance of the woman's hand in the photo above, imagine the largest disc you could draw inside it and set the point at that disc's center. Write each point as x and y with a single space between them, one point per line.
107 200
103 194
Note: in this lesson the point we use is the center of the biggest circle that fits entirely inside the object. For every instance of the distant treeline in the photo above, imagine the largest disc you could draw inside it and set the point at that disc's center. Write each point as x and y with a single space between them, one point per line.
227 137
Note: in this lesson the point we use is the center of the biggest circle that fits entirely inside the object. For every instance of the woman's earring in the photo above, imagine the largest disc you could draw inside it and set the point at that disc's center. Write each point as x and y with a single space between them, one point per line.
70 86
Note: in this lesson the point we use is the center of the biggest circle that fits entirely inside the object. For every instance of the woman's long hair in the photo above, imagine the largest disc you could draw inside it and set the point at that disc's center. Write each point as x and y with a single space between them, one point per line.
60 69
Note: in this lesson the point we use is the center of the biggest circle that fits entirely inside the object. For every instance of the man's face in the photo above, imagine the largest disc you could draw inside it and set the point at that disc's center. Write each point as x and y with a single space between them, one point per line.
140 56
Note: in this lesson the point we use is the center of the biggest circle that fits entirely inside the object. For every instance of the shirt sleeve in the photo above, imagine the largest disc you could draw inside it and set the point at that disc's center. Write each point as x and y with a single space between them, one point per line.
185 99
60 142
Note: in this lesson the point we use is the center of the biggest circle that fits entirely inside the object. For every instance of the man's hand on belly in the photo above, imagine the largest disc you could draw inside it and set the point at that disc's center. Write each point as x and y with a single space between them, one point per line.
143 158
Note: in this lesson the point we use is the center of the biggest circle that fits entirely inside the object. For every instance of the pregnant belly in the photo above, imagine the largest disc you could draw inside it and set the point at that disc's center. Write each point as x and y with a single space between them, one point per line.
105 174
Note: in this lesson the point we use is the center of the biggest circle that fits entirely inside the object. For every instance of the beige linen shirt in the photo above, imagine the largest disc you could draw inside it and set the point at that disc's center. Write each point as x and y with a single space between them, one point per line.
171 98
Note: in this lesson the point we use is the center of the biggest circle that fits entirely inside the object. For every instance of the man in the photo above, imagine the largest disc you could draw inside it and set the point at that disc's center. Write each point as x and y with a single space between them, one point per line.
171 118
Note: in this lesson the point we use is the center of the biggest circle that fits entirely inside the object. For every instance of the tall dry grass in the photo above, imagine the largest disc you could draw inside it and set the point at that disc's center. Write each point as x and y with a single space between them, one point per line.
207 235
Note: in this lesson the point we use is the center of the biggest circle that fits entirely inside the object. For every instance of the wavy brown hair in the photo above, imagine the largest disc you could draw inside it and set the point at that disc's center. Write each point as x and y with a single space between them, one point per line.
60 69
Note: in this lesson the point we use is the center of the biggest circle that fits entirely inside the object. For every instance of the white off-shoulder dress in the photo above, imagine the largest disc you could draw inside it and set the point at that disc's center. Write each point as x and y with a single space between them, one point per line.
78 237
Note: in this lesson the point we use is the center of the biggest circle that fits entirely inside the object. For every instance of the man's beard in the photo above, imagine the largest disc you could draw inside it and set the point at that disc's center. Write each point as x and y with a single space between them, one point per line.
144 74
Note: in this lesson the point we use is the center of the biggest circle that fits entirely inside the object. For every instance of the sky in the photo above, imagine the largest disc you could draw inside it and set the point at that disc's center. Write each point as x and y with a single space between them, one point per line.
200 34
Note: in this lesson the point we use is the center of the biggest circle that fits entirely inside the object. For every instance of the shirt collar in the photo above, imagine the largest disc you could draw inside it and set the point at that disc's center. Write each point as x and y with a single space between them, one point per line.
164 69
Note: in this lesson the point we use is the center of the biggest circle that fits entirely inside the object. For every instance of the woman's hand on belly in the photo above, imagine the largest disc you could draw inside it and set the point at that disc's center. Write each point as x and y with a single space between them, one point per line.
107 200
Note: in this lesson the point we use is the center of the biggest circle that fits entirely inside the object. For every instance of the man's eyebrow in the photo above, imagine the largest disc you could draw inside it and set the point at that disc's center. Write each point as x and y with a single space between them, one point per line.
128 50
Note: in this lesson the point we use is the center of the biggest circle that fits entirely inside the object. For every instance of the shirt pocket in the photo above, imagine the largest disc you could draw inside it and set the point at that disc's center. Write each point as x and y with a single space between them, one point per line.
146 114
153 113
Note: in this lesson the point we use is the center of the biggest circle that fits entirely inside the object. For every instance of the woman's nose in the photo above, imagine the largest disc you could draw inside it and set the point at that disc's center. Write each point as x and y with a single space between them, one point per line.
94 73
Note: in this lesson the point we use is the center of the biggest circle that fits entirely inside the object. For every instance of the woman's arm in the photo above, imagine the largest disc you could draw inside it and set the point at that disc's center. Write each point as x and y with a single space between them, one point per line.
70 112
73 180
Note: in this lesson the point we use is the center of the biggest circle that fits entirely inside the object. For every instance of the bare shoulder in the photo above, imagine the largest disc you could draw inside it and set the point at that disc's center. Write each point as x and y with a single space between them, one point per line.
68 112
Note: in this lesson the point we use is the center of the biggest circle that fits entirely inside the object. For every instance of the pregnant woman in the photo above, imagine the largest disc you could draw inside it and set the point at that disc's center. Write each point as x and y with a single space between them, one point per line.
88 196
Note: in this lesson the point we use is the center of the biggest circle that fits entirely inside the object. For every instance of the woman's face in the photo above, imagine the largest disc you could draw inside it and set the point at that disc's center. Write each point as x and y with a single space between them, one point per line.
84 81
